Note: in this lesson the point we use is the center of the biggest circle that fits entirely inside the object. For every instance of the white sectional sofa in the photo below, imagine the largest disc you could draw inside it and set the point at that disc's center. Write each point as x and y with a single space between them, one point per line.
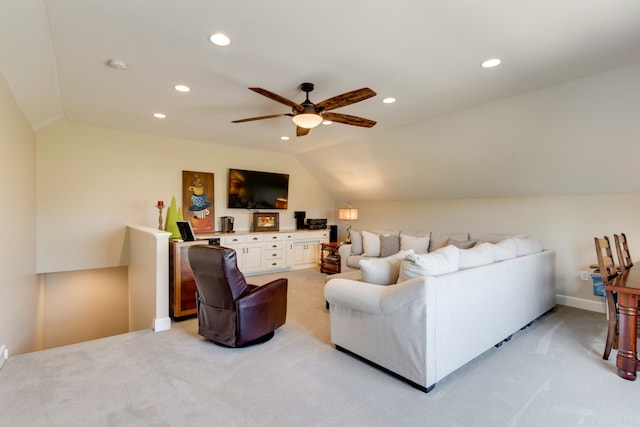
426 326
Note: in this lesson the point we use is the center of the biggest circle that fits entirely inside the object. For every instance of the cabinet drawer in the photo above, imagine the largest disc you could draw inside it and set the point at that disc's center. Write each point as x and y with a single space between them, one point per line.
273 254
272 264
273 237
274 245
254 238
230 240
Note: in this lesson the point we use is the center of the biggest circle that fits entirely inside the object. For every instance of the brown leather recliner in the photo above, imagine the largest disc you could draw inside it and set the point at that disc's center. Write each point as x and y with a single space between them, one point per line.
230 311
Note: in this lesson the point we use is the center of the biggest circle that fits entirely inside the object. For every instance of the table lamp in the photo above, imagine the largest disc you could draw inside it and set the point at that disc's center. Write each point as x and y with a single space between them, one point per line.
346 214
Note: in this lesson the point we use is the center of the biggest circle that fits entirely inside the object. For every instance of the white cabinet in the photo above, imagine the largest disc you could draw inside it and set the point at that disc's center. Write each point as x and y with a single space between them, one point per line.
288 250
249 251
266 252
274 251
306 248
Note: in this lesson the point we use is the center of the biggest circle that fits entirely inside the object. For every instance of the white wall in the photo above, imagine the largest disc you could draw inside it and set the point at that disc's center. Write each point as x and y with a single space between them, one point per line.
85 305
580 137
20 297
93 181
566 224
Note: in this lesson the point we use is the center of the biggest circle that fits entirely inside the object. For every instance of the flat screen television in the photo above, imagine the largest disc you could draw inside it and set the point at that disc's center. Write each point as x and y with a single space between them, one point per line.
258 190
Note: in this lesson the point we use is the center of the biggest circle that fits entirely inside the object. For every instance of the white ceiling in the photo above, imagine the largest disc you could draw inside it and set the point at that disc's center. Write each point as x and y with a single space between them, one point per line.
424 53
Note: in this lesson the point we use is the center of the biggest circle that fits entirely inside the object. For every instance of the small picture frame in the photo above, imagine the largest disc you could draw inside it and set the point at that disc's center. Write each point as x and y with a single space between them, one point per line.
266 221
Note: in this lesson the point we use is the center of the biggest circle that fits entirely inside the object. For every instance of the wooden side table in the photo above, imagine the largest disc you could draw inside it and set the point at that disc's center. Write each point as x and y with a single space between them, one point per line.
330 258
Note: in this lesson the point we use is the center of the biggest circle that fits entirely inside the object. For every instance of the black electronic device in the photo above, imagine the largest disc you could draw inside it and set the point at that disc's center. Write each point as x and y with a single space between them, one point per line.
299 215
316 224
257 190
333 233
186 231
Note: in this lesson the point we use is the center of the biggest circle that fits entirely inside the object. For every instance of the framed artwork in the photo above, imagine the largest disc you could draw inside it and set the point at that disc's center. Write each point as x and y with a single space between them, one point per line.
267 221
198 201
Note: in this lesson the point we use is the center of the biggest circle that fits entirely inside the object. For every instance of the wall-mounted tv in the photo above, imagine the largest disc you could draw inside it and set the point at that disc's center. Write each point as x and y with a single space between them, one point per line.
258 190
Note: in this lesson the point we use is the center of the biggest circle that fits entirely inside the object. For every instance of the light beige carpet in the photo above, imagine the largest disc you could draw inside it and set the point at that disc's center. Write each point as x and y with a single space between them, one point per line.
551 374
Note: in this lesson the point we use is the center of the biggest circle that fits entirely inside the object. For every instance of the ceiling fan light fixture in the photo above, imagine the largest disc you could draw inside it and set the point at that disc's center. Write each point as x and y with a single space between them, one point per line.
307 120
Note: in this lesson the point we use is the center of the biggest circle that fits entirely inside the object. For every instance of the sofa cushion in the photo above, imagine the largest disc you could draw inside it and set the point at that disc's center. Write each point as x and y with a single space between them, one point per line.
389 245
439 240
480 254
354 261
382 271
370 244
356 242
462 244
489 237
441 261
527 245
504 249
419 244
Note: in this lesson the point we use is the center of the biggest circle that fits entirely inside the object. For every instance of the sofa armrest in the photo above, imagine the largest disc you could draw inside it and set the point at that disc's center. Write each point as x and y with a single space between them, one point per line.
375 299
345 252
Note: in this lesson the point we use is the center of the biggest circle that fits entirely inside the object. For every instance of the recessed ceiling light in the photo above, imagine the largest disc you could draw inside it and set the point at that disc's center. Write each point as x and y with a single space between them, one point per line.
389 100
116 63
490 63
182 88
159 115
219 39
327 122
284 138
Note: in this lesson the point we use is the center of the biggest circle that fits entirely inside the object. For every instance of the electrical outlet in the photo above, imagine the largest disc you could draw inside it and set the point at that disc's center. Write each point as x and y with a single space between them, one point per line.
584 275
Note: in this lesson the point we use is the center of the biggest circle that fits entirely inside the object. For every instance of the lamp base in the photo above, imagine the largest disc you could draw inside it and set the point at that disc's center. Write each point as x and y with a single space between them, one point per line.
348 239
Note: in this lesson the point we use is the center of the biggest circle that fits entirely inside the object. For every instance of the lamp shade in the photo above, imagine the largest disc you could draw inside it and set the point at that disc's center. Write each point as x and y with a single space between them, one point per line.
348 214
307 120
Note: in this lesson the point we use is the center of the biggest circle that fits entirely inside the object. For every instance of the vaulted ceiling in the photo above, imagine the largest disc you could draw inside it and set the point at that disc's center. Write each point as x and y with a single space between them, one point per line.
426 54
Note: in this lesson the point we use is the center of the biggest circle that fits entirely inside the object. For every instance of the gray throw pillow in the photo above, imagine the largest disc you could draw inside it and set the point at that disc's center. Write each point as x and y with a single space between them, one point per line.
356 242
389 245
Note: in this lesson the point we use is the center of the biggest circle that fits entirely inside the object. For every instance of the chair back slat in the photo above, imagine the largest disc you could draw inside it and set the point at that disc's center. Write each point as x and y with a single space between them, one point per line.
606 265
622 247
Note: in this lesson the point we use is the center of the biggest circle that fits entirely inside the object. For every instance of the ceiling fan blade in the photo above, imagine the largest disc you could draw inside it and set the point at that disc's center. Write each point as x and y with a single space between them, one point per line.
277 98
349 120
259 118
346 99
301 131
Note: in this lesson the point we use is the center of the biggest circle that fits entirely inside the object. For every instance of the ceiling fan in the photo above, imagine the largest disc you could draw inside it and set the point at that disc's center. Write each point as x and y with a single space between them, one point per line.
309 115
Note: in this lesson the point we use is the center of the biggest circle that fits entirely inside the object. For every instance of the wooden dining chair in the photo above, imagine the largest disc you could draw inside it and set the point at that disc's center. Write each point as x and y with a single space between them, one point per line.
608 271
622 248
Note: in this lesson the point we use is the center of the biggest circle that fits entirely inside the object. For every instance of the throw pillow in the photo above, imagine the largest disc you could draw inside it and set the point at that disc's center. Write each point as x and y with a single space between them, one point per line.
419 244
526 246
389 245
382 271
462 244
505 249
439 239
370 244
480 254
441 261
356 242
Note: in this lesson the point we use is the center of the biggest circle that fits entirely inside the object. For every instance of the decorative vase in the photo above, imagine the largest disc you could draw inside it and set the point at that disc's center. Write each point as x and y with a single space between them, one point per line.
170 224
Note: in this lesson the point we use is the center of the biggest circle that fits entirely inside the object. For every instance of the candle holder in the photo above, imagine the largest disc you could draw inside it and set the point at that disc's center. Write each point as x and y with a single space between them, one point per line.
160 208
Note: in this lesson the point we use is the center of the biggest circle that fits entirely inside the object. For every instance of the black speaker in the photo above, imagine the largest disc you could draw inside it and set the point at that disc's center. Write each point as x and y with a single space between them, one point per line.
333 233
300 215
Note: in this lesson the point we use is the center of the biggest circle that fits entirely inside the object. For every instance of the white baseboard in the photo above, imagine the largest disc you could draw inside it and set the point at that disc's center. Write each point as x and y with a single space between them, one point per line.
162 324
582 303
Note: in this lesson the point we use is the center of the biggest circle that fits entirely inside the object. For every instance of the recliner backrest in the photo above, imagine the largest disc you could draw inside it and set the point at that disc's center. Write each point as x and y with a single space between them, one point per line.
219 281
